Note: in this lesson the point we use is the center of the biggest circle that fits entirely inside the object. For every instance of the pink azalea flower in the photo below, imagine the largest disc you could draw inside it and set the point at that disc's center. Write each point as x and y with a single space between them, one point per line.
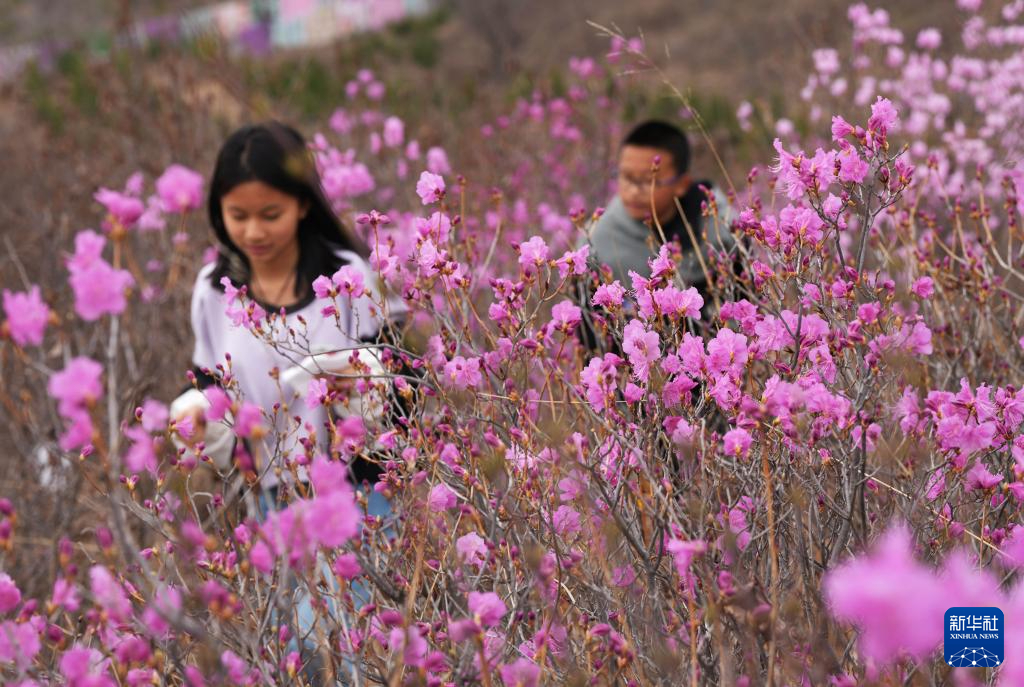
471 549
487 608
683 552
109 594
141 455
10 595
671 301
19 644
125 209
441 498
852 169
642 347
100 290
609 295
923 287
437 161
220 403
532 254
394 132
248 419
323 287
349 281
573 262
727 352
26 315
79 432
736 442
521 673
346 566
430 188
77 384
463 373
316 393
65 595
180 189
978 477
871 592
600 379
565 316
85 667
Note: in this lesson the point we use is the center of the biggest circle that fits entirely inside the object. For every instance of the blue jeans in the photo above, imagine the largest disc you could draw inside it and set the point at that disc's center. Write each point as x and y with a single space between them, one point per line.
360 589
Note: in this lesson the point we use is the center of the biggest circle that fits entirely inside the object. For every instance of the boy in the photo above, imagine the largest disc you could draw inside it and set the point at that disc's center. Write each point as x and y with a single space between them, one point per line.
626 237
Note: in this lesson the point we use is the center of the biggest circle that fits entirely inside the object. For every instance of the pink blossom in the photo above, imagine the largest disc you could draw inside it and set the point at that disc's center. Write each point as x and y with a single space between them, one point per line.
65 595
840 128
323 287
871 592
124 208
109 594
220 403
533 254
672 302
683 553
471 549
600 378
141 455
463 373
316 393
346 566
10 595
394 132
852 169
180 189
565 316
727 352
85 667
487 608
154 415
248 419
19 644
437 161
235 667
929 39
923 287
978 477
521 673
609 295
736 442
99 290
441 498
349 281
77 384
573 262
26 315
884 117
642 347
430 188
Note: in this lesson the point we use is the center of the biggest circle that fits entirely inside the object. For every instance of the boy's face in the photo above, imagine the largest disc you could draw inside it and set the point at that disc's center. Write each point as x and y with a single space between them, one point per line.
635 177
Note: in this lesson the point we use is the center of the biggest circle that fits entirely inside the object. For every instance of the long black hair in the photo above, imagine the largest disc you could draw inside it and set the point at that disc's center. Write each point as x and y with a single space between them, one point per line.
276 154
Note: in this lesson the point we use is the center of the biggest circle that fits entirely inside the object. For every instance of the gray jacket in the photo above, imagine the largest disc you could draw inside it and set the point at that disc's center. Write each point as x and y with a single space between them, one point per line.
626 244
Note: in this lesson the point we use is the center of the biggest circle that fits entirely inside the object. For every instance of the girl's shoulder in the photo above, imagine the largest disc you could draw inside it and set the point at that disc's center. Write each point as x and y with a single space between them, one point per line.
204 290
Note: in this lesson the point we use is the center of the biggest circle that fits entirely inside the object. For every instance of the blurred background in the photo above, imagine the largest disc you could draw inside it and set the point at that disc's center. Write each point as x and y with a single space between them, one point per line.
94 90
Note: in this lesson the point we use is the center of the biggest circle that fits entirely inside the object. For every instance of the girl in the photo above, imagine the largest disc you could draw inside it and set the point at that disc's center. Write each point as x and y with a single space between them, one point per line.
277 234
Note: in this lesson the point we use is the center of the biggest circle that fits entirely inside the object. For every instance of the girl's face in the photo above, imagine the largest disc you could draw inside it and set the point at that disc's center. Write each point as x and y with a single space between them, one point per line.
264 223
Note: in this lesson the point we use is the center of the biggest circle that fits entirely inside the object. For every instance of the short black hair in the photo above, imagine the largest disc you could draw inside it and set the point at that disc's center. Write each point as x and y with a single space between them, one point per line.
658 134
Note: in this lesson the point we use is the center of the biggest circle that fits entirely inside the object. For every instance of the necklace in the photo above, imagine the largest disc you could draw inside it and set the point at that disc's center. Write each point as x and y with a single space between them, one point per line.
276 300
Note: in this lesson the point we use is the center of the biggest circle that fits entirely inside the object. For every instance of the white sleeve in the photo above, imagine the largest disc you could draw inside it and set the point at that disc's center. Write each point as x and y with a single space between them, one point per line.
203 355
